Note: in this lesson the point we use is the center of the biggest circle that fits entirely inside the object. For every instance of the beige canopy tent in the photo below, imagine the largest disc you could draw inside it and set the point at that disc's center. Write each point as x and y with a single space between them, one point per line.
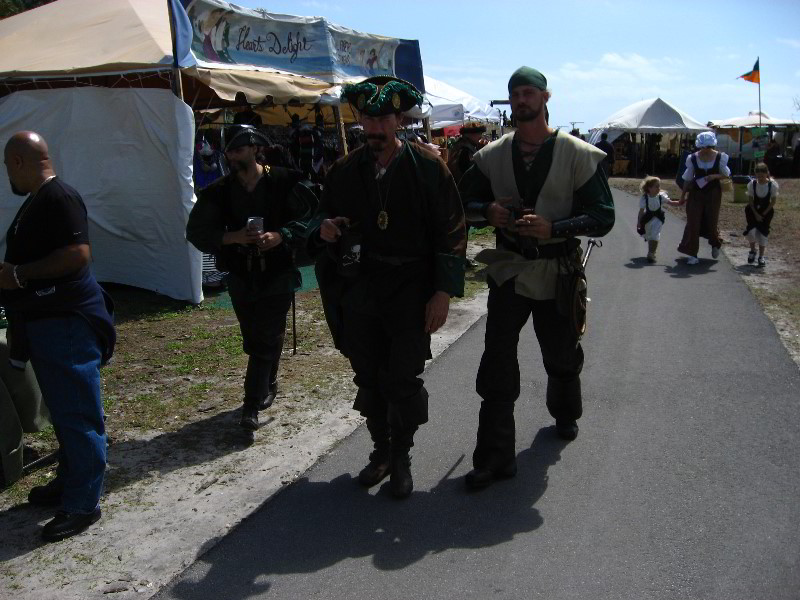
126 43
101 92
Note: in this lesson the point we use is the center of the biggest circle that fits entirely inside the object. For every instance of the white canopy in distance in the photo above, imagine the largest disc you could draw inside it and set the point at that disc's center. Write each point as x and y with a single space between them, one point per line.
752 120
646 116
452 106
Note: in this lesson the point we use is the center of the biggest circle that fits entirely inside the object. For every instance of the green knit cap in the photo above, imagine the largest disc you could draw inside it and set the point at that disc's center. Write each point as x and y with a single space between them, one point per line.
527 76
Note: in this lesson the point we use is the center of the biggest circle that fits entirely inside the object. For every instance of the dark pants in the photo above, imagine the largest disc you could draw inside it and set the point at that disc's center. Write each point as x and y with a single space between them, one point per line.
387 346
65 354
262 321
498 381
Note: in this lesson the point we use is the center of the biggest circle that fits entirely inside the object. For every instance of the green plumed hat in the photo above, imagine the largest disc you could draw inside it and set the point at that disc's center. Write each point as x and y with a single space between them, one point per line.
382 95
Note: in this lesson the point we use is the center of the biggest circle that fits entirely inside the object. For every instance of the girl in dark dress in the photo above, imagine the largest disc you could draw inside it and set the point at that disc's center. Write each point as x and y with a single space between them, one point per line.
762 192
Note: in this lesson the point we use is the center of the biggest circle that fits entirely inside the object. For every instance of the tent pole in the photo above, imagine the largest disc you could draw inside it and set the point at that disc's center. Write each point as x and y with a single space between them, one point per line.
427 124
177 84
759 91
337 114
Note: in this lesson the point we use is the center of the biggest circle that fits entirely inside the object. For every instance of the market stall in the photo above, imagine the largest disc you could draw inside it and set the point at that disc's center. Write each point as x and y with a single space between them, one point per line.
120 89
757 136
647 136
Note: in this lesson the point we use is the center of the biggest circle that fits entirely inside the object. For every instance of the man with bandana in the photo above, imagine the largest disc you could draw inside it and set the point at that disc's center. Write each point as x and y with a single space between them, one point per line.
391 212
539 188
262 275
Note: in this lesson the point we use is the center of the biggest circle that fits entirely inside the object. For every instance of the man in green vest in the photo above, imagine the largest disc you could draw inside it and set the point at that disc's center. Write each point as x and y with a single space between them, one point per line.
539 188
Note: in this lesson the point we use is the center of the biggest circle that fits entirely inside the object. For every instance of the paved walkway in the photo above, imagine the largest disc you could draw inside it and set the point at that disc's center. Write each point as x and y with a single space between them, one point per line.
683 482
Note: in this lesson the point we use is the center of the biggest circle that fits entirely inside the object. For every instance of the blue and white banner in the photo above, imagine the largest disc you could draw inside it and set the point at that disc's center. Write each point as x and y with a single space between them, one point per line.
233 35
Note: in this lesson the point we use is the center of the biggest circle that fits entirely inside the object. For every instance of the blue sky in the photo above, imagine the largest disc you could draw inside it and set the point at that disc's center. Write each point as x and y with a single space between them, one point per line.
599 55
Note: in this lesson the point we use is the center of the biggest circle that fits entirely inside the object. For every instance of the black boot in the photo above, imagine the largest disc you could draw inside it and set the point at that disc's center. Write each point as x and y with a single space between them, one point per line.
565 404
494 457
249 418
401 482
48 494
403 429
267 400
379 465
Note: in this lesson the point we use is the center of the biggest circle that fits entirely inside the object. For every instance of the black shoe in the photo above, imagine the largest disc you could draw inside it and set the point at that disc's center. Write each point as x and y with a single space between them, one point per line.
249 418
477 479
375 472
65 525
401 482
567 430
267 401
46 495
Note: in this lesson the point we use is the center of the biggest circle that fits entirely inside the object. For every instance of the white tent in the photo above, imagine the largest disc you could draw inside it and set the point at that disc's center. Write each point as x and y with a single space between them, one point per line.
647 116
452 106
127 146
753 119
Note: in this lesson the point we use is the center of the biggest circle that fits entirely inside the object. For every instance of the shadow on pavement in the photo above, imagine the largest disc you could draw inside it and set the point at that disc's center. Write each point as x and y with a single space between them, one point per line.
314 525
639 262
683 271
129 461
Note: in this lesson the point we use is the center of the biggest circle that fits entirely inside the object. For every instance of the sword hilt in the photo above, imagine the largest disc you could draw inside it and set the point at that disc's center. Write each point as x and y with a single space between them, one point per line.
589 247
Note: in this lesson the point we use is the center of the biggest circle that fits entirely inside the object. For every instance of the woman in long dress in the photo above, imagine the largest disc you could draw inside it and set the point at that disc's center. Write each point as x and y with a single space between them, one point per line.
702 194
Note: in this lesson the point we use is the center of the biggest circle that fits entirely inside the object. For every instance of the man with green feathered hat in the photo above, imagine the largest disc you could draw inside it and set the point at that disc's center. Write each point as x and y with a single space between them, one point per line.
540 188
392 219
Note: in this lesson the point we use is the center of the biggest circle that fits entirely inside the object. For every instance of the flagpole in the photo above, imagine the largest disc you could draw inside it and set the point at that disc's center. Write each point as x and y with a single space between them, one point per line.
758 60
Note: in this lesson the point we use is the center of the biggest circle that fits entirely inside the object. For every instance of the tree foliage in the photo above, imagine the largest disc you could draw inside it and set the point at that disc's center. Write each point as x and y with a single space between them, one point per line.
13 7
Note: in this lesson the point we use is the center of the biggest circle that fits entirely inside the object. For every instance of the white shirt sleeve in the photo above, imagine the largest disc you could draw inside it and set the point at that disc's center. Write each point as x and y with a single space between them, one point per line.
642 201
664 197
775 187
723 165
750 185
688 174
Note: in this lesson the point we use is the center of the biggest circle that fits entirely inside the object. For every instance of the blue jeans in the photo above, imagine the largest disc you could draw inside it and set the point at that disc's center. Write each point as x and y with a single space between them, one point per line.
65 355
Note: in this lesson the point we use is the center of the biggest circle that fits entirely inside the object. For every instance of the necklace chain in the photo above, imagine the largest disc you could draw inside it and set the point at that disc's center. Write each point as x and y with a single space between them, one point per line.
30 201
383 216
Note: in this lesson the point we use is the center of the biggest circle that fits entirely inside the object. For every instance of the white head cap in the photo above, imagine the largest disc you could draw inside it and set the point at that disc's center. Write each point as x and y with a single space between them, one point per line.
707 139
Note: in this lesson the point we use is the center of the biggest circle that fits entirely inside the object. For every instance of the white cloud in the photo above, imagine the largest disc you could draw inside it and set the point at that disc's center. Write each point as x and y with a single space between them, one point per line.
790 43
615 71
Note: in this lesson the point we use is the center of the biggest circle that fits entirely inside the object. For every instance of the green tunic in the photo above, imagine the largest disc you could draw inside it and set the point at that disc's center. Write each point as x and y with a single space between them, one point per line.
421 201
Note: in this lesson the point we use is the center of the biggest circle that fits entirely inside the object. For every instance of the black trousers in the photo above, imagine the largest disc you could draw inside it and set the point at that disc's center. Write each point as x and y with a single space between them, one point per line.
385 340
262 321
498 381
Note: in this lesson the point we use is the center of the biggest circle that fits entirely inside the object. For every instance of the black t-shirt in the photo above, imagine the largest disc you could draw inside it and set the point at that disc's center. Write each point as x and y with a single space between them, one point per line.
52 218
